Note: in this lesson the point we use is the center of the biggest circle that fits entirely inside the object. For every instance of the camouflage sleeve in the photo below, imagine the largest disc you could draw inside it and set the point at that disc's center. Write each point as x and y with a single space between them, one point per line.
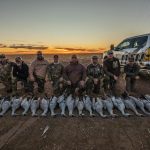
88 72
62 70
14 72
127 72
137 69
106 70
118 67
49 72
102 70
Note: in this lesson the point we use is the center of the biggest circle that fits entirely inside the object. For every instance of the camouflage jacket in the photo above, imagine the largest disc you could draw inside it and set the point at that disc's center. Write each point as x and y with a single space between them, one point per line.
55 71
131 70
95 71
5 70
112 67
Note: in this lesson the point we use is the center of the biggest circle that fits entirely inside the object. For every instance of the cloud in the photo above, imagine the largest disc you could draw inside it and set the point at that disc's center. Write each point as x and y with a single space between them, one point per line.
2 45
28 46
70 49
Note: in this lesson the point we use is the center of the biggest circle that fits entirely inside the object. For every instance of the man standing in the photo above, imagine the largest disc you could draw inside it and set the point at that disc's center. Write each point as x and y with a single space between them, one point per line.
94 78
131 70
5 73
55 75
112 69
75 75
37 71
20 73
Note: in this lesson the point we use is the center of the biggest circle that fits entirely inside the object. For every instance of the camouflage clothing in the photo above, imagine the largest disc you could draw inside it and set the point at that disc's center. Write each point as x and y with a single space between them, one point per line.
5 74
37 71
55 72
94 71
111 69
131 71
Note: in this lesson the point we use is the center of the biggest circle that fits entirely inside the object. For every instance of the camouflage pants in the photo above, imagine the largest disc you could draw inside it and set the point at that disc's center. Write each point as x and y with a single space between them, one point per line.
7 82
37 84
14 84
92 88
130 84
75 89
106 83
58 87
112 86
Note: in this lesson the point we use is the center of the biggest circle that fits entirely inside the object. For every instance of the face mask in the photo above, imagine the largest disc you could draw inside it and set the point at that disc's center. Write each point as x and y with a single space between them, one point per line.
39 57
18 64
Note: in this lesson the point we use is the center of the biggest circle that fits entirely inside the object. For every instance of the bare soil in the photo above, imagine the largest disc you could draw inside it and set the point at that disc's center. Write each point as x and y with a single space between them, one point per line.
25 133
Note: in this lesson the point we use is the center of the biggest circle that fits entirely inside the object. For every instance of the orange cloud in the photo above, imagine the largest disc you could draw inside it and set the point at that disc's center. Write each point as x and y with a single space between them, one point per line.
32 49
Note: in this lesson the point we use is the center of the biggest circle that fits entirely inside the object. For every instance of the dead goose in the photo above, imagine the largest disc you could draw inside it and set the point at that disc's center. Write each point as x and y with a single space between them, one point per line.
108 104
93 103
146 102
62 104
118 103
1 103
139 104
70 103
88 105
99 107
35 103
52 105
130 104
44 104
25 104
80 105
16 103
5 105
147 97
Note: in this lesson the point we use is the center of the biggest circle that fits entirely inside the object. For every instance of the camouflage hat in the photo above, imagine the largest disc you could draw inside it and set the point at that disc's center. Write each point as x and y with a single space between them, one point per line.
2 56
94 57
55 56
18 58
39 52
110 52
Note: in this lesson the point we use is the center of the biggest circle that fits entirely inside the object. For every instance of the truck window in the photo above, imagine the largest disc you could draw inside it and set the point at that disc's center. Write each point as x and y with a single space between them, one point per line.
124 45
138 42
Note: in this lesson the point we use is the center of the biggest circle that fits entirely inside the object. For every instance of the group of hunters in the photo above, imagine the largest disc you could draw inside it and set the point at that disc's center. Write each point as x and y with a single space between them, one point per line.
73 79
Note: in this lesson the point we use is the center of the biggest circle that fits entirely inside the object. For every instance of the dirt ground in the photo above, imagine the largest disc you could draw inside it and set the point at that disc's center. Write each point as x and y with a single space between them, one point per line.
25 133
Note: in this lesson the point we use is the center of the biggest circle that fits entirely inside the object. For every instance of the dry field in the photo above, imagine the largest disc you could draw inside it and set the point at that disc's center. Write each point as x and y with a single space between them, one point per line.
25 133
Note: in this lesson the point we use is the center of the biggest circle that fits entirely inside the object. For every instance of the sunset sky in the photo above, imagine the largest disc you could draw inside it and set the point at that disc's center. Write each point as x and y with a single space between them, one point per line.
70 26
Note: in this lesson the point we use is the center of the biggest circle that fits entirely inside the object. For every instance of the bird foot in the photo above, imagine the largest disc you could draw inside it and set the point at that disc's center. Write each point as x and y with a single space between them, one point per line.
81 115
71 115
24 114
34 115
1 115
114 115
14 114
92 115
53 115
104 116
63 115
43 115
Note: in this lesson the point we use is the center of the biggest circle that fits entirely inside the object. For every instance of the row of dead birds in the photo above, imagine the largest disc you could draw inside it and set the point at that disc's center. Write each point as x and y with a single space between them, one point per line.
90 104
